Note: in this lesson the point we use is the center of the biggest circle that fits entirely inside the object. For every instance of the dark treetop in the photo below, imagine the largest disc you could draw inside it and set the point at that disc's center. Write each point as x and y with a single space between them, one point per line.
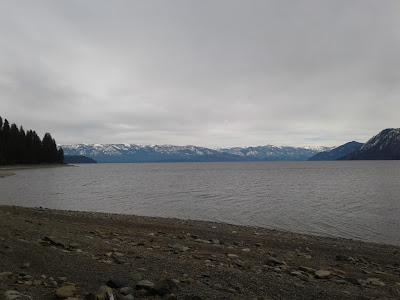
20 147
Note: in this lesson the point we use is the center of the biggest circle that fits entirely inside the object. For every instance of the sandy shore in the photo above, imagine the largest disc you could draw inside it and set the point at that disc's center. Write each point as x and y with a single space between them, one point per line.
4 173
9 170
48 252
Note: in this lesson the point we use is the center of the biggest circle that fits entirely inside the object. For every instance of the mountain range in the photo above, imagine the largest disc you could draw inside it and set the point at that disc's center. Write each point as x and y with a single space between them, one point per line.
122 153
337 153
385 145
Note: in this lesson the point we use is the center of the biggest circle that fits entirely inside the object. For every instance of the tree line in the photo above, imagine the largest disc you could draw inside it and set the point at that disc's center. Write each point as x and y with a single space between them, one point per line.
20 147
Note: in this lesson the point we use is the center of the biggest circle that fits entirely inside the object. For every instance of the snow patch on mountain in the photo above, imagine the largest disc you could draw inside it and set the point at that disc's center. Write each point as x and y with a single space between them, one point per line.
147 153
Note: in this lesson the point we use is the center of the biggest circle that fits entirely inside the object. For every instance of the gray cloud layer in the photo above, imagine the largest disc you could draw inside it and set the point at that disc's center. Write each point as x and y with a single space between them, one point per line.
213 73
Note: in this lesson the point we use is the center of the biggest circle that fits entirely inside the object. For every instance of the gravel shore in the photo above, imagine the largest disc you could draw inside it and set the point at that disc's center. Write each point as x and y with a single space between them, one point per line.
50 254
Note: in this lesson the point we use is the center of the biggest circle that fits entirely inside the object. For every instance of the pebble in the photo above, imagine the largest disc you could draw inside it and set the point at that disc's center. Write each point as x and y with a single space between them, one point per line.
180 247
231 255
202 241
272 261
15 295
165 287
344 258
322 274
125 290
126 297
307 270
103 293
116 283
6 274
66 291
375 281
296 273
144 284
136 276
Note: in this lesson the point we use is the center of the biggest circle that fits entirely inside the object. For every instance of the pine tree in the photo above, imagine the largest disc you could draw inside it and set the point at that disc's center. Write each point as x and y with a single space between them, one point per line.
20 147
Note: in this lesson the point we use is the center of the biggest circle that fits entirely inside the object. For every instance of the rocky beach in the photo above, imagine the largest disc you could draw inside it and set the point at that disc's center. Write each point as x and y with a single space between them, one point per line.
51 254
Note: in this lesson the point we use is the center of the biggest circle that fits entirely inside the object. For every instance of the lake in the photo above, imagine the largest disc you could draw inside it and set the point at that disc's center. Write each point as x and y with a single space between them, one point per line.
352 199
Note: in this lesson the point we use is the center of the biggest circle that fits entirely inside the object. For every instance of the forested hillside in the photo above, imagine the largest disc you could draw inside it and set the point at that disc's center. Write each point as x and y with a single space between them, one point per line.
20 147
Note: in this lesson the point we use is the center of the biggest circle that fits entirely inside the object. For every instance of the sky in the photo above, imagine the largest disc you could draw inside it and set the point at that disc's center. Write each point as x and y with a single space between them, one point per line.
210 73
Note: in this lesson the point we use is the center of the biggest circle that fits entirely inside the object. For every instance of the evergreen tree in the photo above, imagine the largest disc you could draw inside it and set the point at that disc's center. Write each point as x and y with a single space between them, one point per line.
20 147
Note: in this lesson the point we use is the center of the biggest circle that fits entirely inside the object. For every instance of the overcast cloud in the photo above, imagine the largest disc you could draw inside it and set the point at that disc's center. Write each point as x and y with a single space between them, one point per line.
211 73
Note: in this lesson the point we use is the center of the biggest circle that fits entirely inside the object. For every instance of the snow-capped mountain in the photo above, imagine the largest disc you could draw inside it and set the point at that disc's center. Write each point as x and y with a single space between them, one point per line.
271 152
165 153
385 145
337 153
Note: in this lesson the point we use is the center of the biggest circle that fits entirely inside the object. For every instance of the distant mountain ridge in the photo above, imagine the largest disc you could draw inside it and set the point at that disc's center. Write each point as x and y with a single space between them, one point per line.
383 146
119 153
337 153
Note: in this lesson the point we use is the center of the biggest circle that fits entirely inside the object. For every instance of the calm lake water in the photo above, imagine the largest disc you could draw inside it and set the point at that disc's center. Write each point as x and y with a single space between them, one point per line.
359 200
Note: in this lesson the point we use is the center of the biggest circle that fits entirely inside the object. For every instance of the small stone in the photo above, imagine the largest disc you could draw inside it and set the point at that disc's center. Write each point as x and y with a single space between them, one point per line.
144 284
73 245
136 276
307 269
246 249
104 293
66 291
26 265
117 283
15 295
322 274
193 297
37 282
231 255
272 261
6 274
126 297
340 281
353 281
375 281
166 286
180 247
202 241
344 258
125 290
